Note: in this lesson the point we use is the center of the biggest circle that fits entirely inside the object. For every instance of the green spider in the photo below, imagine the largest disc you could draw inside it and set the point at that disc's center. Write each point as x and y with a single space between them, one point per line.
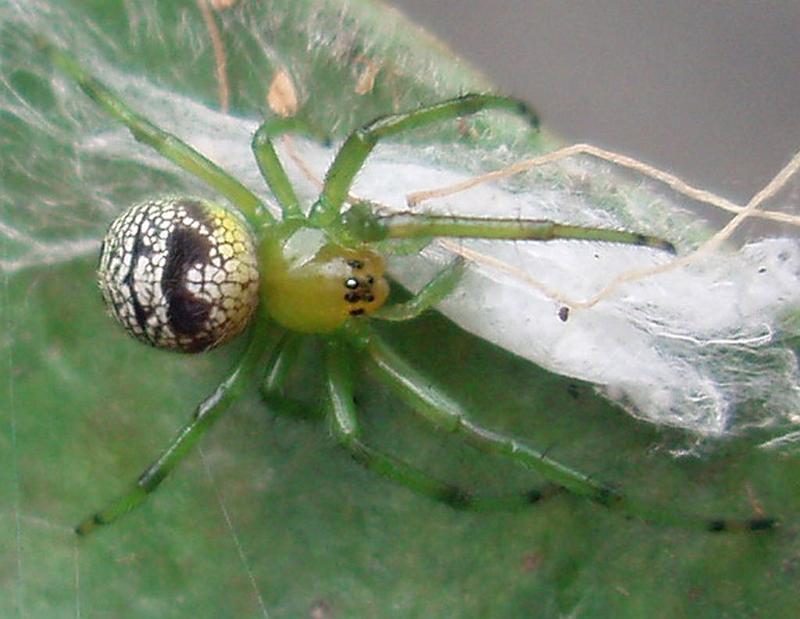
188 274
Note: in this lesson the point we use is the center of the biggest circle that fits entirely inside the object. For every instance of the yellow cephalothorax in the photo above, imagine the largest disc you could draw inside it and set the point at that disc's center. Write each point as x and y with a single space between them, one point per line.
312 286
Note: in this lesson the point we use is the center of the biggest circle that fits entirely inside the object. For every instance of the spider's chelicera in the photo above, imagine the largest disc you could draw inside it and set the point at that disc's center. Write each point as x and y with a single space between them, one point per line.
189 274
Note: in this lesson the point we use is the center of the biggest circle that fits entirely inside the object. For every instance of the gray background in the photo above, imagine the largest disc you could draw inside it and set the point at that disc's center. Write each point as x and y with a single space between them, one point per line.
709 90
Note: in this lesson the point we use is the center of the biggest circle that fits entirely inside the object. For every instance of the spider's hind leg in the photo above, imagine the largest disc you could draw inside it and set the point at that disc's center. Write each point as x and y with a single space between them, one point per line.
163 142
206 413
345 428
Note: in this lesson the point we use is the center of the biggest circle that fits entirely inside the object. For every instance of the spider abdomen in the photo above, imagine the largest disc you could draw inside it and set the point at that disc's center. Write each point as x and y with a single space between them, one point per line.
317 288
179 273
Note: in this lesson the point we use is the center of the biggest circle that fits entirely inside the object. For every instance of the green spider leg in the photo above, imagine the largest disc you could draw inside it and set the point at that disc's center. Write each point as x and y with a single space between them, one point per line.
344 419
346 430
404 226
436 290
361 224
448 415
283 358
270 165
207 412
348 161
163 142
357 147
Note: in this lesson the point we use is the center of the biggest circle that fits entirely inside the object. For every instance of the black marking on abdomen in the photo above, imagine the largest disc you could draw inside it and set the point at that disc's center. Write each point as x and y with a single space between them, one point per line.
186 313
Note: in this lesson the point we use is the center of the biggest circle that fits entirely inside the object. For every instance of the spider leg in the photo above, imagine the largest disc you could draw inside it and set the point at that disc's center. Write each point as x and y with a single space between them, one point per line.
443 283
206 413
166 144
359 144
282 358
270 165
405 225
346 430
445 413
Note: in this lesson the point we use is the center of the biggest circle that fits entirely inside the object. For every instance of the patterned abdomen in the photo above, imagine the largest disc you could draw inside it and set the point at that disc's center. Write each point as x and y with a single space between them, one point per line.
179 273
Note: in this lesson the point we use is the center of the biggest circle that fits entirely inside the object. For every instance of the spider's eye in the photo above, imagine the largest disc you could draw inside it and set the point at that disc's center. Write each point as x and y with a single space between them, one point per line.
179 273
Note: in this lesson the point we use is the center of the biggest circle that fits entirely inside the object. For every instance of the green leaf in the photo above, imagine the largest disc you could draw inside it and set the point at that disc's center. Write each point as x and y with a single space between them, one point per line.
269 511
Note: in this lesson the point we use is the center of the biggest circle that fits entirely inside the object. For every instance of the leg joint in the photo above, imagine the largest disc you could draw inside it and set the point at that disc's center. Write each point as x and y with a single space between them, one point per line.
366 134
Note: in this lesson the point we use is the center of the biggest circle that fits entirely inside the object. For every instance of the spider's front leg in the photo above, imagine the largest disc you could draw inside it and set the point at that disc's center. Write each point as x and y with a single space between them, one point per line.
359 223
206 413
445 413
345 426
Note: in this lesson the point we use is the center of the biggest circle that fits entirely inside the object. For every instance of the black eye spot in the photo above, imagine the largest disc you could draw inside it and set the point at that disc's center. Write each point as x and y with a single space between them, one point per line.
355 264
351 282
369 298
352 297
